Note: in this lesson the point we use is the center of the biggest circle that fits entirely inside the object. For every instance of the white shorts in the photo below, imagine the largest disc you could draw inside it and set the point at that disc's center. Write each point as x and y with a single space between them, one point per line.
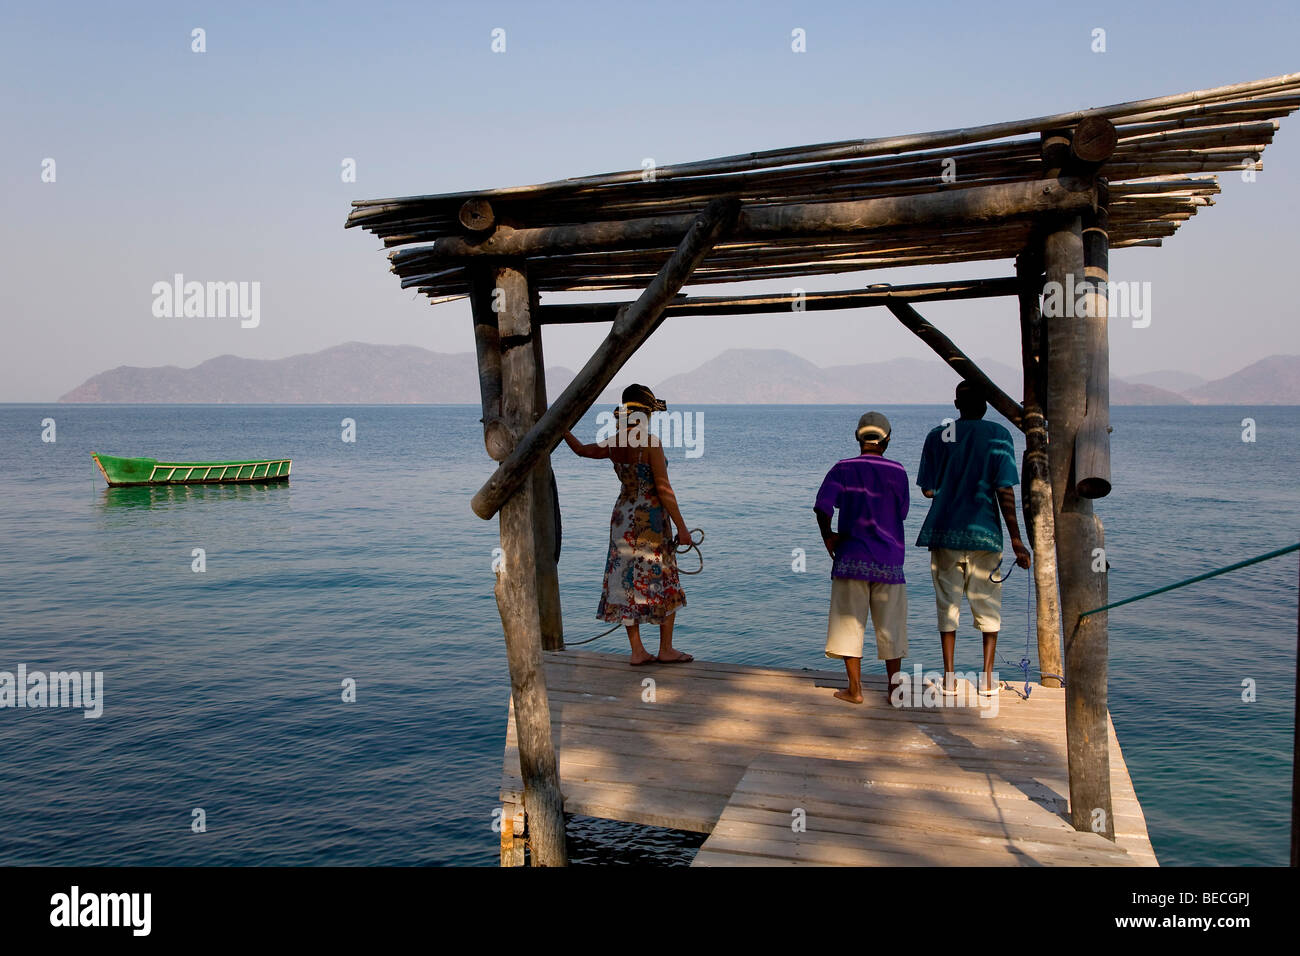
851 603
957 573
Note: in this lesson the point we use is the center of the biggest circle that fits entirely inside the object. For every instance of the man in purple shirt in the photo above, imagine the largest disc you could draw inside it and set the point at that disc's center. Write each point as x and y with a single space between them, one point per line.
871 493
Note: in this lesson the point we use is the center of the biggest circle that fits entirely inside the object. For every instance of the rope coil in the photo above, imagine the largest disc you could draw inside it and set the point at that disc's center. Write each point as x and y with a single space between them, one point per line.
677 549
693 546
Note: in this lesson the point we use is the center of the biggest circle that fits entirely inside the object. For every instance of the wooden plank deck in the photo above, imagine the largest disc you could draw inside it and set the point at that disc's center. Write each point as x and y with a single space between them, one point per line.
732 751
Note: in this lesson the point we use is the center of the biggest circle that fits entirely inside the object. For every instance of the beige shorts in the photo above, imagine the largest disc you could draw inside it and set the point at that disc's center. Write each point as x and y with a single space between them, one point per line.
958 573
851 602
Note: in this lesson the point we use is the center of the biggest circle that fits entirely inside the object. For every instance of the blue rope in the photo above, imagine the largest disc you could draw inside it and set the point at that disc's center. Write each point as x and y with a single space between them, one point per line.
1025 662
1029 627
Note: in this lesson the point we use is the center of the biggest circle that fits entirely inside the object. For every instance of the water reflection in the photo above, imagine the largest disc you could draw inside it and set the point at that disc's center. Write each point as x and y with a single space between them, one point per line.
166 496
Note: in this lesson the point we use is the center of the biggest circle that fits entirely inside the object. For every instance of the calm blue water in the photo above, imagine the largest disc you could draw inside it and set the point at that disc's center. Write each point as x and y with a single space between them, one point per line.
222 688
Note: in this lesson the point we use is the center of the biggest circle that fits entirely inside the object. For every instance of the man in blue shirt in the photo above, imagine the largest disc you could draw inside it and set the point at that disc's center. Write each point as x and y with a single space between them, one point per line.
968 469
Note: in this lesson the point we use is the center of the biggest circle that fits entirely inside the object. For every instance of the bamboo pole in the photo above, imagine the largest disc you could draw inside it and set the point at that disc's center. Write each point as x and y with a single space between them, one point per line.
1036 490
1092 443
858 148
983 164
1079 548
517 588
956 358
1224 129
632 328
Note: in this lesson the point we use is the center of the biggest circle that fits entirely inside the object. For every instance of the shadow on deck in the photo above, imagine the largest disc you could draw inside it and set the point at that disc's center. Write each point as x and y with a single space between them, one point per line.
777 771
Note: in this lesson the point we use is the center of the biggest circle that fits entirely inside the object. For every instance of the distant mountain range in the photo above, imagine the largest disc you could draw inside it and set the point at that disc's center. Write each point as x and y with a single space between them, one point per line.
405 374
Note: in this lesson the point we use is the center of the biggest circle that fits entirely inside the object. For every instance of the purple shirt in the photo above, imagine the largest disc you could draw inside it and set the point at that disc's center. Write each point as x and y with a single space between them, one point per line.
872 495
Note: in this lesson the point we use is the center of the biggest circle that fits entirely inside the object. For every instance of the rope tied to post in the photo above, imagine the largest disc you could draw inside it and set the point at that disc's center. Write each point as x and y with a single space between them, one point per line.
1030 618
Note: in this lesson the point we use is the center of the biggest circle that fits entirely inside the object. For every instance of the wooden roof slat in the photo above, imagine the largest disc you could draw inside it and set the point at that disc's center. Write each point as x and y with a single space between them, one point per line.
893 144
1164 145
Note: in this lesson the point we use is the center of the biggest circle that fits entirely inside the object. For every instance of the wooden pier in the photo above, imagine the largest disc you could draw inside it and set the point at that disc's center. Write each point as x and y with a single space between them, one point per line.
1057 194
747 754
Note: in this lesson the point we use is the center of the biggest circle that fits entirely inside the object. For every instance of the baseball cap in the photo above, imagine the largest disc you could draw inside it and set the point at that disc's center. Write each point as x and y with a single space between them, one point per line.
872 426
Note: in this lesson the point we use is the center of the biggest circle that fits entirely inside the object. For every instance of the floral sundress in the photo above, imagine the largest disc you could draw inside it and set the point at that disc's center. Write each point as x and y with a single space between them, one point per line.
641 582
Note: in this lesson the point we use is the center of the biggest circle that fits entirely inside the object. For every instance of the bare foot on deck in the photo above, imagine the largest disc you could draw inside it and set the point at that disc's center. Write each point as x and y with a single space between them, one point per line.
642 657
846 696
674 657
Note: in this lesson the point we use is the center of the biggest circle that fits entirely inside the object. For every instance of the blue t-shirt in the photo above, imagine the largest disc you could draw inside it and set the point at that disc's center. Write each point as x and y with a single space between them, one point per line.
965 475
871 495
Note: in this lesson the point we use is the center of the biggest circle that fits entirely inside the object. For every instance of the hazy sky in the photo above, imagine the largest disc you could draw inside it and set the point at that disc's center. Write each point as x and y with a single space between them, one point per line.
225 165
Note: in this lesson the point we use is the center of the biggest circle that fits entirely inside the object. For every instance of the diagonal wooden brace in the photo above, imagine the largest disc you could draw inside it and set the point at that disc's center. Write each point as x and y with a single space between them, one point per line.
945 348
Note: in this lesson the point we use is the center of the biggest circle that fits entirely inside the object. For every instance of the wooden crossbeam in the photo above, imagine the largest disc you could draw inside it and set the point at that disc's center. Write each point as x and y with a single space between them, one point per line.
961 364
632 327
976 204
581 312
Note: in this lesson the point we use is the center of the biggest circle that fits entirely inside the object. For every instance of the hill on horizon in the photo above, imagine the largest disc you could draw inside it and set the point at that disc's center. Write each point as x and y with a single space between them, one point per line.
356 372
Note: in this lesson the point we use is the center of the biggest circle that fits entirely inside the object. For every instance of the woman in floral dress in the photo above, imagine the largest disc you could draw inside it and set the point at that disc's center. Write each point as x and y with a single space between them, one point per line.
641 582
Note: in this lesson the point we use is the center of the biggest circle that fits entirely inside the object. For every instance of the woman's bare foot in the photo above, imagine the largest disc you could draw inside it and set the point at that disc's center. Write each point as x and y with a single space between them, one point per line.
846 696
640 656
673 656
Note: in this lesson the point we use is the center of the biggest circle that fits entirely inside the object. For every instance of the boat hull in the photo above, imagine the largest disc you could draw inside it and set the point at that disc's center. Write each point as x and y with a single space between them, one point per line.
126 472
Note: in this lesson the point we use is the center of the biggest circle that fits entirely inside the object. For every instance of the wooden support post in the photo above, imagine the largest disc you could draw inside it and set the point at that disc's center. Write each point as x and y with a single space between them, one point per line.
1295 752
516 587
956 358
487 344
546 516
633 326
1036 478
1092 444
1080 554
512 835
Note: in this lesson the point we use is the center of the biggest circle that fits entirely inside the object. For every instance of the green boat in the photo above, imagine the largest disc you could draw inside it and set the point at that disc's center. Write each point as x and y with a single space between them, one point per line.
120 472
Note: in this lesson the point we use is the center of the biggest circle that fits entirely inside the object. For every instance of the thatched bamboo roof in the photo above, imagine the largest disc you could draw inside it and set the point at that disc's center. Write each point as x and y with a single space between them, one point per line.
1156 174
